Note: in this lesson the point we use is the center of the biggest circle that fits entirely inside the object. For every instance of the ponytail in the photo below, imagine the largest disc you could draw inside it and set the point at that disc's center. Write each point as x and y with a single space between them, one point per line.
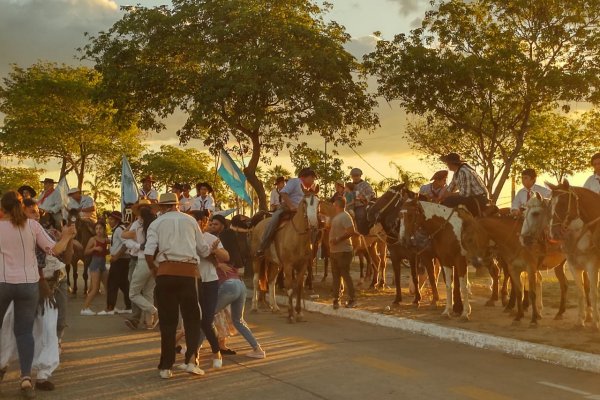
12 205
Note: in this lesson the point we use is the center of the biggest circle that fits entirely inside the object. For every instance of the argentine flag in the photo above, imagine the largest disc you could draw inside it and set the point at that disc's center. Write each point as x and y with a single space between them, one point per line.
63 188
233 177
129 189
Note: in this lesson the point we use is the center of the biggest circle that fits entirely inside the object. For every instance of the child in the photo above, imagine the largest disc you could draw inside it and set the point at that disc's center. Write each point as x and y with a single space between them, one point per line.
350 196
97 247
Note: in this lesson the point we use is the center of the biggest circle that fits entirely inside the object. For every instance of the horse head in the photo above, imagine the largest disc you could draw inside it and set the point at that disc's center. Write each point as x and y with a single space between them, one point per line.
535 222
411 218
474 239
391 198
564 209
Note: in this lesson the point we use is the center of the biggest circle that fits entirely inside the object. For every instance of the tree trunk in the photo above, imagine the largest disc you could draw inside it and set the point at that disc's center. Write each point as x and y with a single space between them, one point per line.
63 168
250 172
81 174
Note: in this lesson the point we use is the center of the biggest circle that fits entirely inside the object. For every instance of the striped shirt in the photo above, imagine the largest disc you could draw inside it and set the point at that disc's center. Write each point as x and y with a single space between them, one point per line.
18 261
363 188
467 183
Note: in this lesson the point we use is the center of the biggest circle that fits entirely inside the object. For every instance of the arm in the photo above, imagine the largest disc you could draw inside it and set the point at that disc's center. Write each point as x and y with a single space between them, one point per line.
89 249
45 242
120 250
130 234
285 198
151 247
202 248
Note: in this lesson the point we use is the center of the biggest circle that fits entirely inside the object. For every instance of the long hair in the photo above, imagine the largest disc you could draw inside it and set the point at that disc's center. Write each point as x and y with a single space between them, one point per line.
12 205
147 218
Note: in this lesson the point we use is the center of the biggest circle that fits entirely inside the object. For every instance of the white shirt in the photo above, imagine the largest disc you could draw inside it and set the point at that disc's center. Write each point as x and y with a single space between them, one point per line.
208 272
293 188
117 242
134 245
520 200
152 194
177 237
207 203
185 203
52 203
593 183
275 199
86 202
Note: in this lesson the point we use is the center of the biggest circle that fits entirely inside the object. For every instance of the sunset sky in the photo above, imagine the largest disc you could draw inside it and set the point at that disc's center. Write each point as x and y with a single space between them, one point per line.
51 30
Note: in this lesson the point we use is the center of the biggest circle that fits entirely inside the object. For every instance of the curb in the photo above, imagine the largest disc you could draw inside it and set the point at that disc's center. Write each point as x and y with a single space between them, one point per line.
538 352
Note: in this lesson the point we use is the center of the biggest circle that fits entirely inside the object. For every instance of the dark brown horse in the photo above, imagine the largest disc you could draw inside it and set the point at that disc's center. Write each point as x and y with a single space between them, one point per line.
85 231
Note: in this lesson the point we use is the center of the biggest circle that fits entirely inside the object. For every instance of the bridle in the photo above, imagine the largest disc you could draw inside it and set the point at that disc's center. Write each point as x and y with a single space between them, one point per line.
393 202
419 212
566 221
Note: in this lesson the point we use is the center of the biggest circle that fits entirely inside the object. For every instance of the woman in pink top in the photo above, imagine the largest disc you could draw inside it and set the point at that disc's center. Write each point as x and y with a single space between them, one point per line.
19 275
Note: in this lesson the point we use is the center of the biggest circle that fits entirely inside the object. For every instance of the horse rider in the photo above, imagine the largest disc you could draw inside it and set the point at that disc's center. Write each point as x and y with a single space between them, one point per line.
205 200
275 199
593 182
85 204
529 190
185 199
364 194
466 187
27 192
51 202
147 191
291 195
434 190
339 191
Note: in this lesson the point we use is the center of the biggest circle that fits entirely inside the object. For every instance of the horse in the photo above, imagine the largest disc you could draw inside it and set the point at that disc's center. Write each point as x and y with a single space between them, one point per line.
574 222
291 249
85 231
443 228
386 211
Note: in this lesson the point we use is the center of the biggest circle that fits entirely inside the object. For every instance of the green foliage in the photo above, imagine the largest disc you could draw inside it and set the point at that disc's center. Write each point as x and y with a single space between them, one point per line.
328 167
11 178
268 178
253 72
413 180
484 67
51 112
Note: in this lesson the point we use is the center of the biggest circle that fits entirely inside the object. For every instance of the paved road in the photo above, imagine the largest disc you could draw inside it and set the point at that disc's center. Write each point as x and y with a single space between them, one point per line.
324 358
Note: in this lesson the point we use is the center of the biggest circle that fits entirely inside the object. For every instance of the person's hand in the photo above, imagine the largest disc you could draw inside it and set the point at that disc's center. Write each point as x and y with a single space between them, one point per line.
225 268
98 249
69 232
113 259
215 245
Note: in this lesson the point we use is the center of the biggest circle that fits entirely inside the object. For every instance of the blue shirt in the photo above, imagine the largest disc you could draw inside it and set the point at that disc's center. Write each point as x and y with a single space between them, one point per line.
293 188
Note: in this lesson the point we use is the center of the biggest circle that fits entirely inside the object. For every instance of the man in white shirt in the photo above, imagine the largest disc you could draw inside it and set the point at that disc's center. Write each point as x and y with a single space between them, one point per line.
147 191
433 191
174 245
118 275
85 205
204 201
593 182
185 199
529 190
275 199
51 202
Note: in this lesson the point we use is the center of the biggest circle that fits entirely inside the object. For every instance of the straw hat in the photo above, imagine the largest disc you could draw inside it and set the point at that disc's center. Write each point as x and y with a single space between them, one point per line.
135 209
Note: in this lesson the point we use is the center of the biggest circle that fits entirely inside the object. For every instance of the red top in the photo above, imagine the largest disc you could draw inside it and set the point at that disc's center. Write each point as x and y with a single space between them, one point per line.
104 246
223 276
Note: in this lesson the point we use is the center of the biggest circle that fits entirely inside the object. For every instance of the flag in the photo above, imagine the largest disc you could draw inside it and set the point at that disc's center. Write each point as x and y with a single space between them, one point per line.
233 177
63 189
129 188
225 212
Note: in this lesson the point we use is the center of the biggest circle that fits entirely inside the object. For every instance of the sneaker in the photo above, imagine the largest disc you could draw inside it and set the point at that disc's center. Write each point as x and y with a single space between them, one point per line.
165 373
191 368
351 304
104 312
260 353
27 390
217 363
87 311
336 305
132 324
126 311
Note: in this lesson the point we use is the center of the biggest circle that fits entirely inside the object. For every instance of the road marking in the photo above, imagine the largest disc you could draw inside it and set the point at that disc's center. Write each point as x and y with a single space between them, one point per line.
473 392
587 395
389 367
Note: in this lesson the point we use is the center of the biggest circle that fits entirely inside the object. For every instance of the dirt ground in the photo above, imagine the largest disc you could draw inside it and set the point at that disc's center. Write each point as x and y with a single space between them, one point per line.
492 320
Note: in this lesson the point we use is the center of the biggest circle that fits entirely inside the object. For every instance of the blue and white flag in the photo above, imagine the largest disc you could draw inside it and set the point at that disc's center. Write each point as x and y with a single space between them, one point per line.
225 213
63 189
129 188
233 177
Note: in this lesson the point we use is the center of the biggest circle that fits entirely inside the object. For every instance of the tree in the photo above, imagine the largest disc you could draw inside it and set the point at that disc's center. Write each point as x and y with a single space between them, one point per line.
485 67
327 166
412 180
100 187
12 178
51 112
561 146
254 72
270 175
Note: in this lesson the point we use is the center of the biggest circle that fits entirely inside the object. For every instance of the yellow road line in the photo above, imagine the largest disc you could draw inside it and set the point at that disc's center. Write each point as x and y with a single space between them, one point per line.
389 367
473 392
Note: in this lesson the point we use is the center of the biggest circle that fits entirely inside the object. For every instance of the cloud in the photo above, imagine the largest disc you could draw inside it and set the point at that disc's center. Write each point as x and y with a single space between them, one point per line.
409 6
360 46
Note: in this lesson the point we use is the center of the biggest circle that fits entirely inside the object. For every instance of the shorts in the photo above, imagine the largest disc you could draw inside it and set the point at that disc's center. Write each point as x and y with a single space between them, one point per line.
98 264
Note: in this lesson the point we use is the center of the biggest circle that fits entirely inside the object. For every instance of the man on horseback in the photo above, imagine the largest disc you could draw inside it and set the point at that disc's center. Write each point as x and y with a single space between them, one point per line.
466 187
275 199
51 202
593 182
433 191
529 190
147 191
85 205
364 194
291 196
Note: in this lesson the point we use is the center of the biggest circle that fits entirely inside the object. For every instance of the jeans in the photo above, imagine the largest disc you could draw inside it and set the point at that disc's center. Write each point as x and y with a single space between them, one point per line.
136 312
209 292
61 296
271 228
175 293
360 215
141 289
117 279
475 204
340 268
233 291
25 297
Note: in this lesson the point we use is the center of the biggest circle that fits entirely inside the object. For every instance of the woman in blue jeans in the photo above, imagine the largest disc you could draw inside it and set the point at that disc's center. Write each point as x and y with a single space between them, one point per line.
232 291
20 276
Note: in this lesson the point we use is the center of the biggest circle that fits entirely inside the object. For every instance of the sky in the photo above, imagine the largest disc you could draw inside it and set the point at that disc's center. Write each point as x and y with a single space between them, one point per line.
52 30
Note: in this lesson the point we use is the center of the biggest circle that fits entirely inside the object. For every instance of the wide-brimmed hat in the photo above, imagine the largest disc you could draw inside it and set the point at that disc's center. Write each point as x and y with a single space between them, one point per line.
443 174
73 191
28 188
206 185
148 178
48 180
279 179
141 203
452 158
186 187
166 199
356 172
116 215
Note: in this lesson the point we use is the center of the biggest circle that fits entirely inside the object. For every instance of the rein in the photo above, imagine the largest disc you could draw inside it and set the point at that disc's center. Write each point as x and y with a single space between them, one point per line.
566 221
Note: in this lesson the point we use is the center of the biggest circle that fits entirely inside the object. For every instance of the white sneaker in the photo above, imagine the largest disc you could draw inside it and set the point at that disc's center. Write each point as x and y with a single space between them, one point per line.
126 311
104 312
217 363
165 373
260 353
87 311
191 368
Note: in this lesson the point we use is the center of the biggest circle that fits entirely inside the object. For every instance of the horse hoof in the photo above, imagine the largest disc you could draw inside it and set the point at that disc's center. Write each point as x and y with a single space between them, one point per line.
558 317
516 322
416 304
578 327
275 310
589 318
291 320
464 318
533 324
447 314
490 303
433 305
538 317
299 318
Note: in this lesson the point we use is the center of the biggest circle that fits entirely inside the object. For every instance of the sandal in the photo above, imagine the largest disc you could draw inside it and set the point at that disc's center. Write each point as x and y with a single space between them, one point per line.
27 390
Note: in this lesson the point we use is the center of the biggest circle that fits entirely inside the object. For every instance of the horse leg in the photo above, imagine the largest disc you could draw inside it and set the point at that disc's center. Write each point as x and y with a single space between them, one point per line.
289 281
86 264
396 265
255 291
415 278
430 268
68 269
326 267
76 276
457 307
495 274
309 275
299 289
517 288
448 281
504 292
592 271
382 251
559 271
535 315
464 289
273 296
586 288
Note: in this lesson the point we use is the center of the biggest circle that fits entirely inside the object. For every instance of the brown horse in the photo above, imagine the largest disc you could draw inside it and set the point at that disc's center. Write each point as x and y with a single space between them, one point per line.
292 250
85 231
574 220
